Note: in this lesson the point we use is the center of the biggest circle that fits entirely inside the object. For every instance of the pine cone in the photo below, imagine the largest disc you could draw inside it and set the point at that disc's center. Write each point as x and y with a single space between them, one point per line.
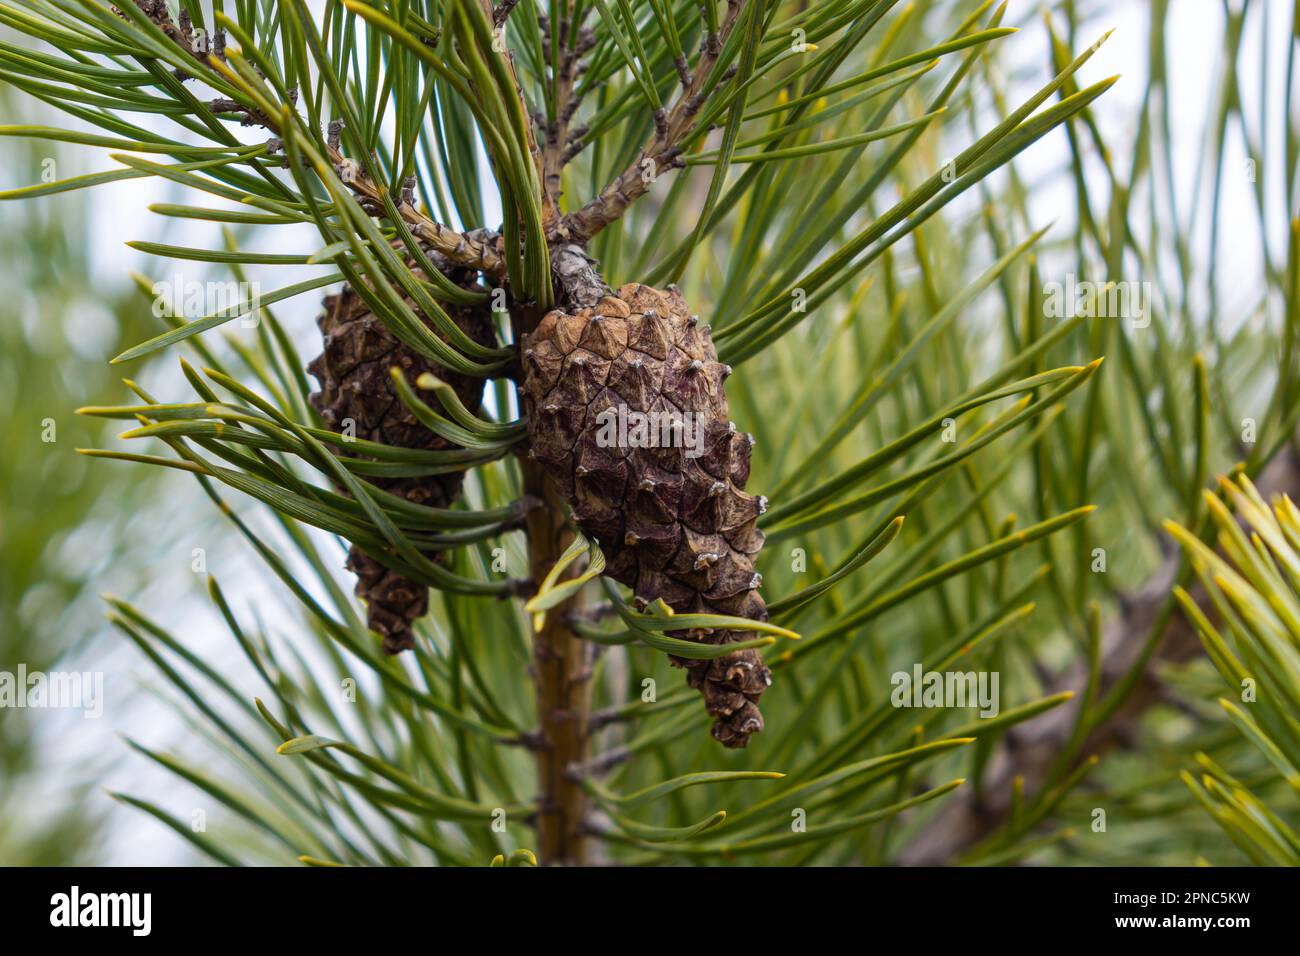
602 387
355 385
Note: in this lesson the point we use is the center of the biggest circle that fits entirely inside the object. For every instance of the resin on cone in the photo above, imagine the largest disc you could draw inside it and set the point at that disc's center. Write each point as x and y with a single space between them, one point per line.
356 387
603 386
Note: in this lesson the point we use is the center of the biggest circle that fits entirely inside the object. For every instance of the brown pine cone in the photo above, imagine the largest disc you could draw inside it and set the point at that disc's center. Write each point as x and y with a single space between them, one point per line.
356 387
673 520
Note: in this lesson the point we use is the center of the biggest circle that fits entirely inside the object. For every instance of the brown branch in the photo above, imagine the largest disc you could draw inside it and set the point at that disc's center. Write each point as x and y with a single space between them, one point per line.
550 213
181 32
555 148
470 252
1032 750
663 152
501 13
481 253
561 671
600 764
563 693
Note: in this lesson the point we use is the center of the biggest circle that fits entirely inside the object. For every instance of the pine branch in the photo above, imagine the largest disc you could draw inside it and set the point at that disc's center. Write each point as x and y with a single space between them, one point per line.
1146 635
662 153
561 670
473 252
558 147
480 252
549 210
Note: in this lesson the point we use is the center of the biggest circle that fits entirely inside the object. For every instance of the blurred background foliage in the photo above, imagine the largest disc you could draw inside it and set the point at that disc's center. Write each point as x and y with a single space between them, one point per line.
64 527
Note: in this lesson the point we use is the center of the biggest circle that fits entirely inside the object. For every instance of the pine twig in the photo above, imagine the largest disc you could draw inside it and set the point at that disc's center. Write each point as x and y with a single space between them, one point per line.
557 149
478 253
501 13
663 151
560 671
181 32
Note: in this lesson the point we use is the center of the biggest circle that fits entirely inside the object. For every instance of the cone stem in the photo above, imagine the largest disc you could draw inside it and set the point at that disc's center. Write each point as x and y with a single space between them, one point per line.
561 672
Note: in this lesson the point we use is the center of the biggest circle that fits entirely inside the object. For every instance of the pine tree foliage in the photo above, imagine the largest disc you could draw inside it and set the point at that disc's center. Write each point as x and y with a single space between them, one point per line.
1256 648
786 165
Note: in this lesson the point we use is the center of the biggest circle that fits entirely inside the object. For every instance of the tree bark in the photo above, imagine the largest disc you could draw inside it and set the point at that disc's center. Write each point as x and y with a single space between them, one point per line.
561 667
562 674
